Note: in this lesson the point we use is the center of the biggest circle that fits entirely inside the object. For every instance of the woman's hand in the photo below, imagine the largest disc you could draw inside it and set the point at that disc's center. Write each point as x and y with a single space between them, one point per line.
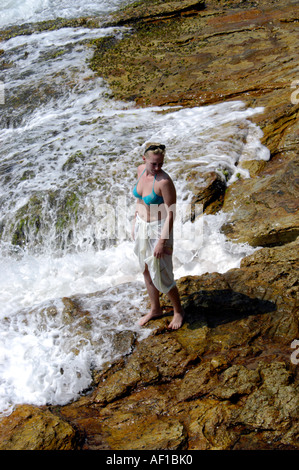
133 227
161 250
133 231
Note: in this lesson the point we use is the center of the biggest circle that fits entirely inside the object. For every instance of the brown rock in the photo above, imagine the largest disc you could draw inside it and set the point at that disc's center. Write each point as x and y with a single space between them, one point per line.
236 381
264 408
148 10
264 210
275 266
30 428
209 56
208 190
197 382
224 380
221 53
224 376
157 357
208 427
159 433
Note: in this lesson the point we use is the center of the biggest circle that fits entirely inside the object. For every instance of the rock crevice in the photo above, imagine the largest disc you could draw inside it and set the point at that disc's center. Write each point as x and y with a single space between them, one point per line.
228 379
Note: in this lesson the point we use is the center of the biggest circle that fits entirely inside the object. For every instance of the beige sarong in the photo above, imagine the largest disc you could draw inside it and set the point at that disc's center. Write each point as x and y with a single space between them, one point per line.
147 235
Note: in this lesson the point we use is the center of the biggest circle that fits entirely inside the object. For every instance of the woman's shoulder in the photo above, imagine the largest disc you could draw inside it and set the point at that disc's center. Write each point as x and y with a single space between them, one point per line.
140 169
165 183
165 179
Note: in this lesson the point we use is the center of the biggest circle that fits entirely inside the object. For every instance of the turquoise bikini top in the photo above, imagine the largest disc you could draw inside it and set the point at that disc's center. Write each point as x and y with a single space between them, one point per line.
151 198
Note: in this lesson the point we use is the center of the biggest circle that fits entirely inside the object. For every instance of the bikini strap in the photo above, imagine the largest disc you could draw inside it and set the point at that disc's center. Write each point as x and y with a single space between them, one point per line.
140 176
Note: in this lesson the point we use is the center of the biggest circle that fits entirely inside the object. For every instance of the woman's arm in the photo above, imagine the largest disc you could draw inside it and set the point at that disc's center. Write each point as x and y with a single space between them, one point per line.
133 224
169 195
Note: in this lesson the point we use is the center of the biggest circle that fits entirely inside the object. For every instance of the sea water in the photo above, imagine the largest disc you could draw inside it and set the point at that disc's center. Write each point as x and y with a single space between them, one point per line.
25 11
68 161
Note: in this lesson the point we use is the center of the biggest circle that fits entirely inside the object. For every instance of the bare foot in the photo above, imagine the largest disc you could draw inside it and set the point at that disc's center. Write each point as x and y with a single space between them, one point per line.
177 321
149 317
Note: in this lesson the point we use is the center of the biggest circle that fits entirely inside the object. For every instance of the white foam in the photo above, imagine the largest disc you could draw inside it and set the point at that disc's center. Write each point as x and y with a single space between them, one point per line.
46 359
26 11
37 359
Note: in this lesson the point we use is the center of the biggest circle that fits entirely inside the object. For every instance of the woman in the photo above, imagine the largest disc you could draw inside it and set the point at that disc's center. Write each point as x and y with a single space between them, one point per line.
153 234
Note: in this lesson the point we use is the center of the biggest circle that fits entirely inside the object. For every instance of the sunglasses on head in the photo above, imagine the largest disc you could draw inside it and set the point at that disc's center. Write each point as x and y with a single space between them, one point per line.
155 147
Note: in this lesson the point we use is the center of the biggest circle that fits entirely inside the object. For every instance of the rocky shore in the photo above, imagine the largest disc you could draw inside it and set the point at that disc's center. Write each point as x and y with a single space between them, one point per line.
228 379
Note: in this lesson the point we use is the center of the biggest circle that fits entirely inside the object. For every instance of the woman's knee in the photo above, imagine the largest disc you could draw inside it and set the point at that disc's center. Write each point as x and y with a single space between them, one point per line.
147 275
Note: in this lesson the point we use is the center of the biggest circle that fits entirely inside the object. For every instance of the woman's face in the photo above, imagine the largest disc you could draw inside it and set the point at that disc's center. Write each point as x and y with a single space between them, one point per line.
154 162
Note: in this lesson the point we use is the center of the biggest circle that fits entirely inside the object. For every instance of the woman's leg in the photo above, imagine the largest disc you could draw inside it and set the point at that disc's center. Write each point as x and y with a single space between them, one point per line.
178 312
153 294
156 311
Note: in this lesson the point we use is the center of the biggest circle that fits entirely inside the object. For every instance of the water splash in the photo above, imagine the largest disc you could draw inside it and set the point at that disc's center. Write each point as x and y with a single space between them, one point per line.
67 152
25 11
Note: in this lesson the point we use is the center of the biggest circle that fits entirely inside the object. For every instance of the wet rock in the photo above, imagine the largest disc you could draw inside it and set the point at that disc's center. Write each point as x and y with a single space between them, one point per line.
208 190
277 266
264 409
30 428
29 223
225 380
235 382
264 210
225 51
57 23
156 358
210 56
198 382
159 433
148 10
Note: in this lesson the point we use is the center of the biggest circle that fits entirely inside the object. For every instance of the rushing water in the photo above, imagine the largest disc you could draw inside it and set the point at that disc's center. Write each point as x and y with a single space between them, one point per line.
68 163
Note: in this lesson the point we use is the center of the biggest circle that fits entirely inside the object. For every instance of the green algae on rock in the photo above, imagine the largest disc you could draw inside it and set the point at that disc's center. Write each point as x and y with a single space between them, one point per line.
225 380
